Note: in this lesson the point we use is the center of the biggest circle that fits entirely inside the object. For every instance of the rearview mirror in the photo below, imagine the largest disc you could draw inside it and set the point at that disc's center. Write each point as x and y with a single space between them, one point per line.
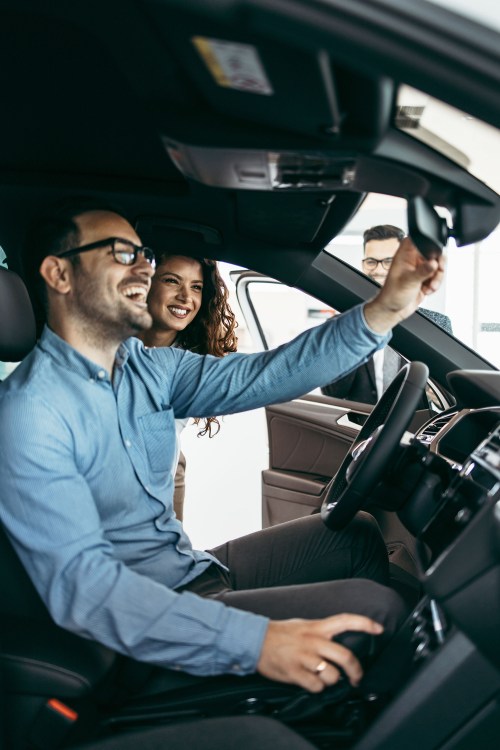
427 229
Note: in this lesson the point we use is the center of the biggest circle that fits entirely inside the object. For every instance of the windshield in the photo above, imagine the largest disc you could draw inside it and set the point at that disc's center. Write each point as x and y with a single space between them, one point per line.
483 11
455 134
469 294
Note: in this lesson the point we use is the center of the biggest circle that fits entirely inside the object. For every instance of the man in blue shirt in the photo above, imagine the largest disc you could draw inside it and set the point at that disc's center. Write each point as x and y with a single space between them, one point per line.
87 440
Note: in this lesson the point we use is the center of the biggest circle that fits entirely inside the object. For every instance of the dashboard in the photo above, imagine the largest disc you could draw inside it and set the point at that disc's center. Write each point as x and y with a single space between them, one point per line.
453 509
443 667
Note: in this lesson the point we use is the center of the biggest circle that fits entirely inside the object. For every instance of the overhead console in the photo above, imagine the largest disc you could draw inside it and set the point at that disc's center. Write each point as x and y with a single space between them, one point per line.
291 170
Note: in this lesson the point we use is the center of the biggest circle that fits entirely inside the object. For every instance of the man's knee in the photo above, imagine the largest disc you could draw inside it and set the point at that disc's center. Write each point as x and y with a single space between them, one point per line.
364 525
383 604
368 551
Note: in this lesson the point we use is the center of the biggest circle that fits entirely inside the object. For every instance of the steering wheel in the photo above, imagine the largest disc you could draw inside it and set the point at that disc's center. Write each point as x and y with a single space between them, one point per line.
372 452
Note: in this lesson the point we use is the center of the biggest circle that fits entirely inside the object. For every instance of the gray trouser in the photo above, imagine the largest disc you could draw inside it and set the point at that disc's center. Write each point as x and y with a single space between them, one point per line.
302 569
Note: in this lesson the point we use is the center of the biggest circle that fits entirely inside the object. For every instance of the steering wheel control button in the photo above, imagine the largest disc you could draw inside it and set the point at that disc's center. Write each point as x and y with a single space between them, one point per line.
252 705
422 650
463 516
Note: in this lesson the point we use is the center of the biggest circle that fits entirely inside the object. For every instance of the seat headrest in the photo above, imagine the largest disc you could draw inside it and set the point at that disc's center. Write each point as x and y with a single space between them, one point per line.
17 320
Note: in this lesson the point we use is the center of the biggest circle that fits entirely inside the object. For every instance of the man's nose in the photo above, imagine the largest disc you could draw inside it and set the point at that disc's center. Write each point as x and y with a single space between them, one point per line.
143 266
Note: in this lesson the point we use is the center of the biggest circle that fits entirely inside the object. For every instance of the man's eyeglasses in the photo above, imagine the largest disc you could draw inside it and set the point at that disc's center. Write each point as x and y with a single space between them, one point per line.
124 251
371 264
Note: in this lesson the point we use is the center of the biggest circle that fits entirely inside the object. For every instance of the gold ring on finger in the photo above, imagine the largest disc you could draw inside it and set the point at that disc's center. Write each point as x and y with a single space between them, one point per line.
321 667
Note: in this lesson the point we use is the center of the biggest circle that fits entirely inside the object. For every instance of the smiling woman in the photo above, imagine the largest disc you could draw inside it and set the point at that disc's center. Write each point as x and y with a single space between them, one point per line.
189 305
175 299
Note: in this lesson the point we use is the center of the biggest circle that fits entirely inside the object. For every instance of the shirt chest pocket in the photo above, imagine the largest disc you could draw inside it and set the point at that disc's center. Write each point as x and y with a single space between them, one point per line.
158 432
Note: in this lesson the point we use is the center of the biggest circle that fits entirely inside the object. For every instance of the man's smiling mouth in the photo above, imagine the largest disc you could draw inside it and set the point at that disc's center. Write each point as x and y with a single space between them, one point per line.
136 293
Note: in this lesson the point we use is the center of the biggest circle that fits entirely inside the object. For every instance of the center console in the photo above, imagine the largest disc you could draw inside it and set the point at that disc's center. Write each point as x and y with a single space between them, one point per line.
443 668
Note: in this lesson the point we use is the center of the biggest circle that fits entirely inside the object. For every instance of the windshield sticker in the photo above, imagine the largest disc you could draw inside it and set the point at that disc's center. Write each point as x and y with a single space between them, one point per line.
234 65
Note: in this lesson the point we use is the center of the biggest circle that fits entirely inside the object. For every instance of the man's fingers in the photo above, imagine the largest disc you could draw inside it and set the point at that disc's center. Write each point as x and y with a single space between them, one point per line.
315 682
303 652
336 653
434 282
409 254
341 657
337 624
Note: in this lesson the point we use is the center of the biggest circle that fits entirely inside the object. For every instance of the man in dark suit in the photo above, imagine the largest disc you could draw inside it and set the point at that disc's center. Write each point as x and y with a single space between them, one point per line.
369 381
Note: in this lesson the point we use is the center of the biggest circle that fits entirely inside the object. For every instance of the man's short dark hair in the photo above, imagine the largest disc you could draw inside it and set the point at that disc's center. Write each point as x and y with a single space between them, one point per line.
383 232
52 233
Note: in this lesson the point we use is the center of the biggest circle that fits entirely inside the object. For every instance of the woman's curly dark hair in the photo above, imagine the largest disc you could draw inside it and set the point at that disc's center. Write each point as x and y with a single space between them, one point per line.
213 329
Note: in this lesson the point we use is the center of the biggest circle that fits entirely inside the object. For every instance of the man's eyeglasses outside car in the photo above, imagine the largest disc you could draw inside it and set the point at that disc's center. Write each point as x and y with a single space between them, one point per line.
370 264
123 251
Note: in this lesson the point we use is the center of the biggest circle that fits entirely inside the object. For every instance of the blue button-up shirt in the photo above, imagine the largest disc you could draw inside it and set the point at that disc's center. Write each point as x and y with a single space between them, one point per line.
87 484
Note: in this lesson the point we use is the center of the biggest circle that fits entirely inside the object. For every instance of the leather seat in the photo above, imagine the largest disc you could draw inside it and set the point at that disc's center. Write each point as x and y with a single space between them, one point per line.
38 660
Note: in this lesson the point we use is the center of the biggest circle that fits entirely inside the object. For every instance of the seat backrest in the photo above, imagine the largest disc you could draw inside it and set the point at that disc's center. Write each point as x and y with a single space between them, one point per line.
18 596
17 320
17 337
38 660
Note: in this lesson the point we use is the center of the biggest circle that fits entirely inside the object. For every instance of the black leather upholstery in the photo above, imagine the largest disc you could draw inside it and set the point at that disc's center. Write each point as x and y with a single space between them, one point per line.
44 660
18 596
17 320
38 660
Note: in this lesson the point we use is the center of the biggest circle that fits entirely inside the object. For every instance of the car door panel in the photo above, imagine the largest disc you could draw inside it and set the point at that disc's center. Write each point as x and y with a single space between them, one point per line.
307 443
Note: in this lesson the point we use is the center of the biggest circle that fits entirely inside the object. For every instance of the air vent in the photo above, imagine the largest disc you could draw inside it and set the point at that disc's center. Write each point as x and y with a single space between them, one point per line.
409 118
427 434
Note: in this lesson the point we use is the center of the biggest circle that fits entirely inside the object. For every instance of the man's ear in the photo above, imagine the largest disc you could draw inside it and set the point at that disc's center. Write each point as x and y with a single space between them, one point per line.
56 273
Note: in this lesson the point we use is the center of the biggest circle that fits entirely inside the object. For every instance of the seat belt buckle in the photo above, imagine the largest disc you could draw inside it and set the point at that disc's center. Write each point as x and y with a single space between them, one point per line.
51 726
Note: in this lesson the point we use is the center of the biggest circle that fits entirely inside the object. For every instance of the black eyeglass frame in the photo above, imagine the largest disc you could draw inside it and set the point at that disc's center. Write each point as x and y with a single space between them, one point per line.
136 249
371 261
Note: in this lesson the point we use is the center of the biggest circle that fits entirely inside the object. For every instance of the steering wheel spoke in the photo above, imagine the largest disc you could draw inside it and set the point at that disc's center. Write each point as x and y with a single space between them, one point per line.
371 454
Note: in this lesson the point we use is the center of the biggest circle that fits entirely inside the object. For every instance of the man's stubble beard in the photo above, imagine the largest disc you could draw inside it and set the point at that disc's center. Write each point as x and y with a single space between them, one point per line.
101 323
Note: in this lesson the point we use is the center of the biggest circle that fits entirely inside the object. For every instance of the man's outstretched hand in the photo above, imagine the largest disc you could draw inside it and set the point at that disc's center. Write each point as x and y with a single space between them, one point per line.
293 650
410 278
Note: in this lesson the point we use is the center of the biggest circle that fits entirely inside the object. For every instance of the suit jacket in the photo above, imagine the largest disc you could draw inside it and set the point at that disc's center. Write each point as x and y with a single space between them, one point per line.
360 385
439 318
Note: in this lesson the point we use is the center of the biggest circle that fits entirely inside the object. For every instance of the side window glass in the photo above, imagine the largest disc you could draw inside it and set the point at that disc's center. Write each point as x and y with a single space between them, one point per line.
277 313
282 312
